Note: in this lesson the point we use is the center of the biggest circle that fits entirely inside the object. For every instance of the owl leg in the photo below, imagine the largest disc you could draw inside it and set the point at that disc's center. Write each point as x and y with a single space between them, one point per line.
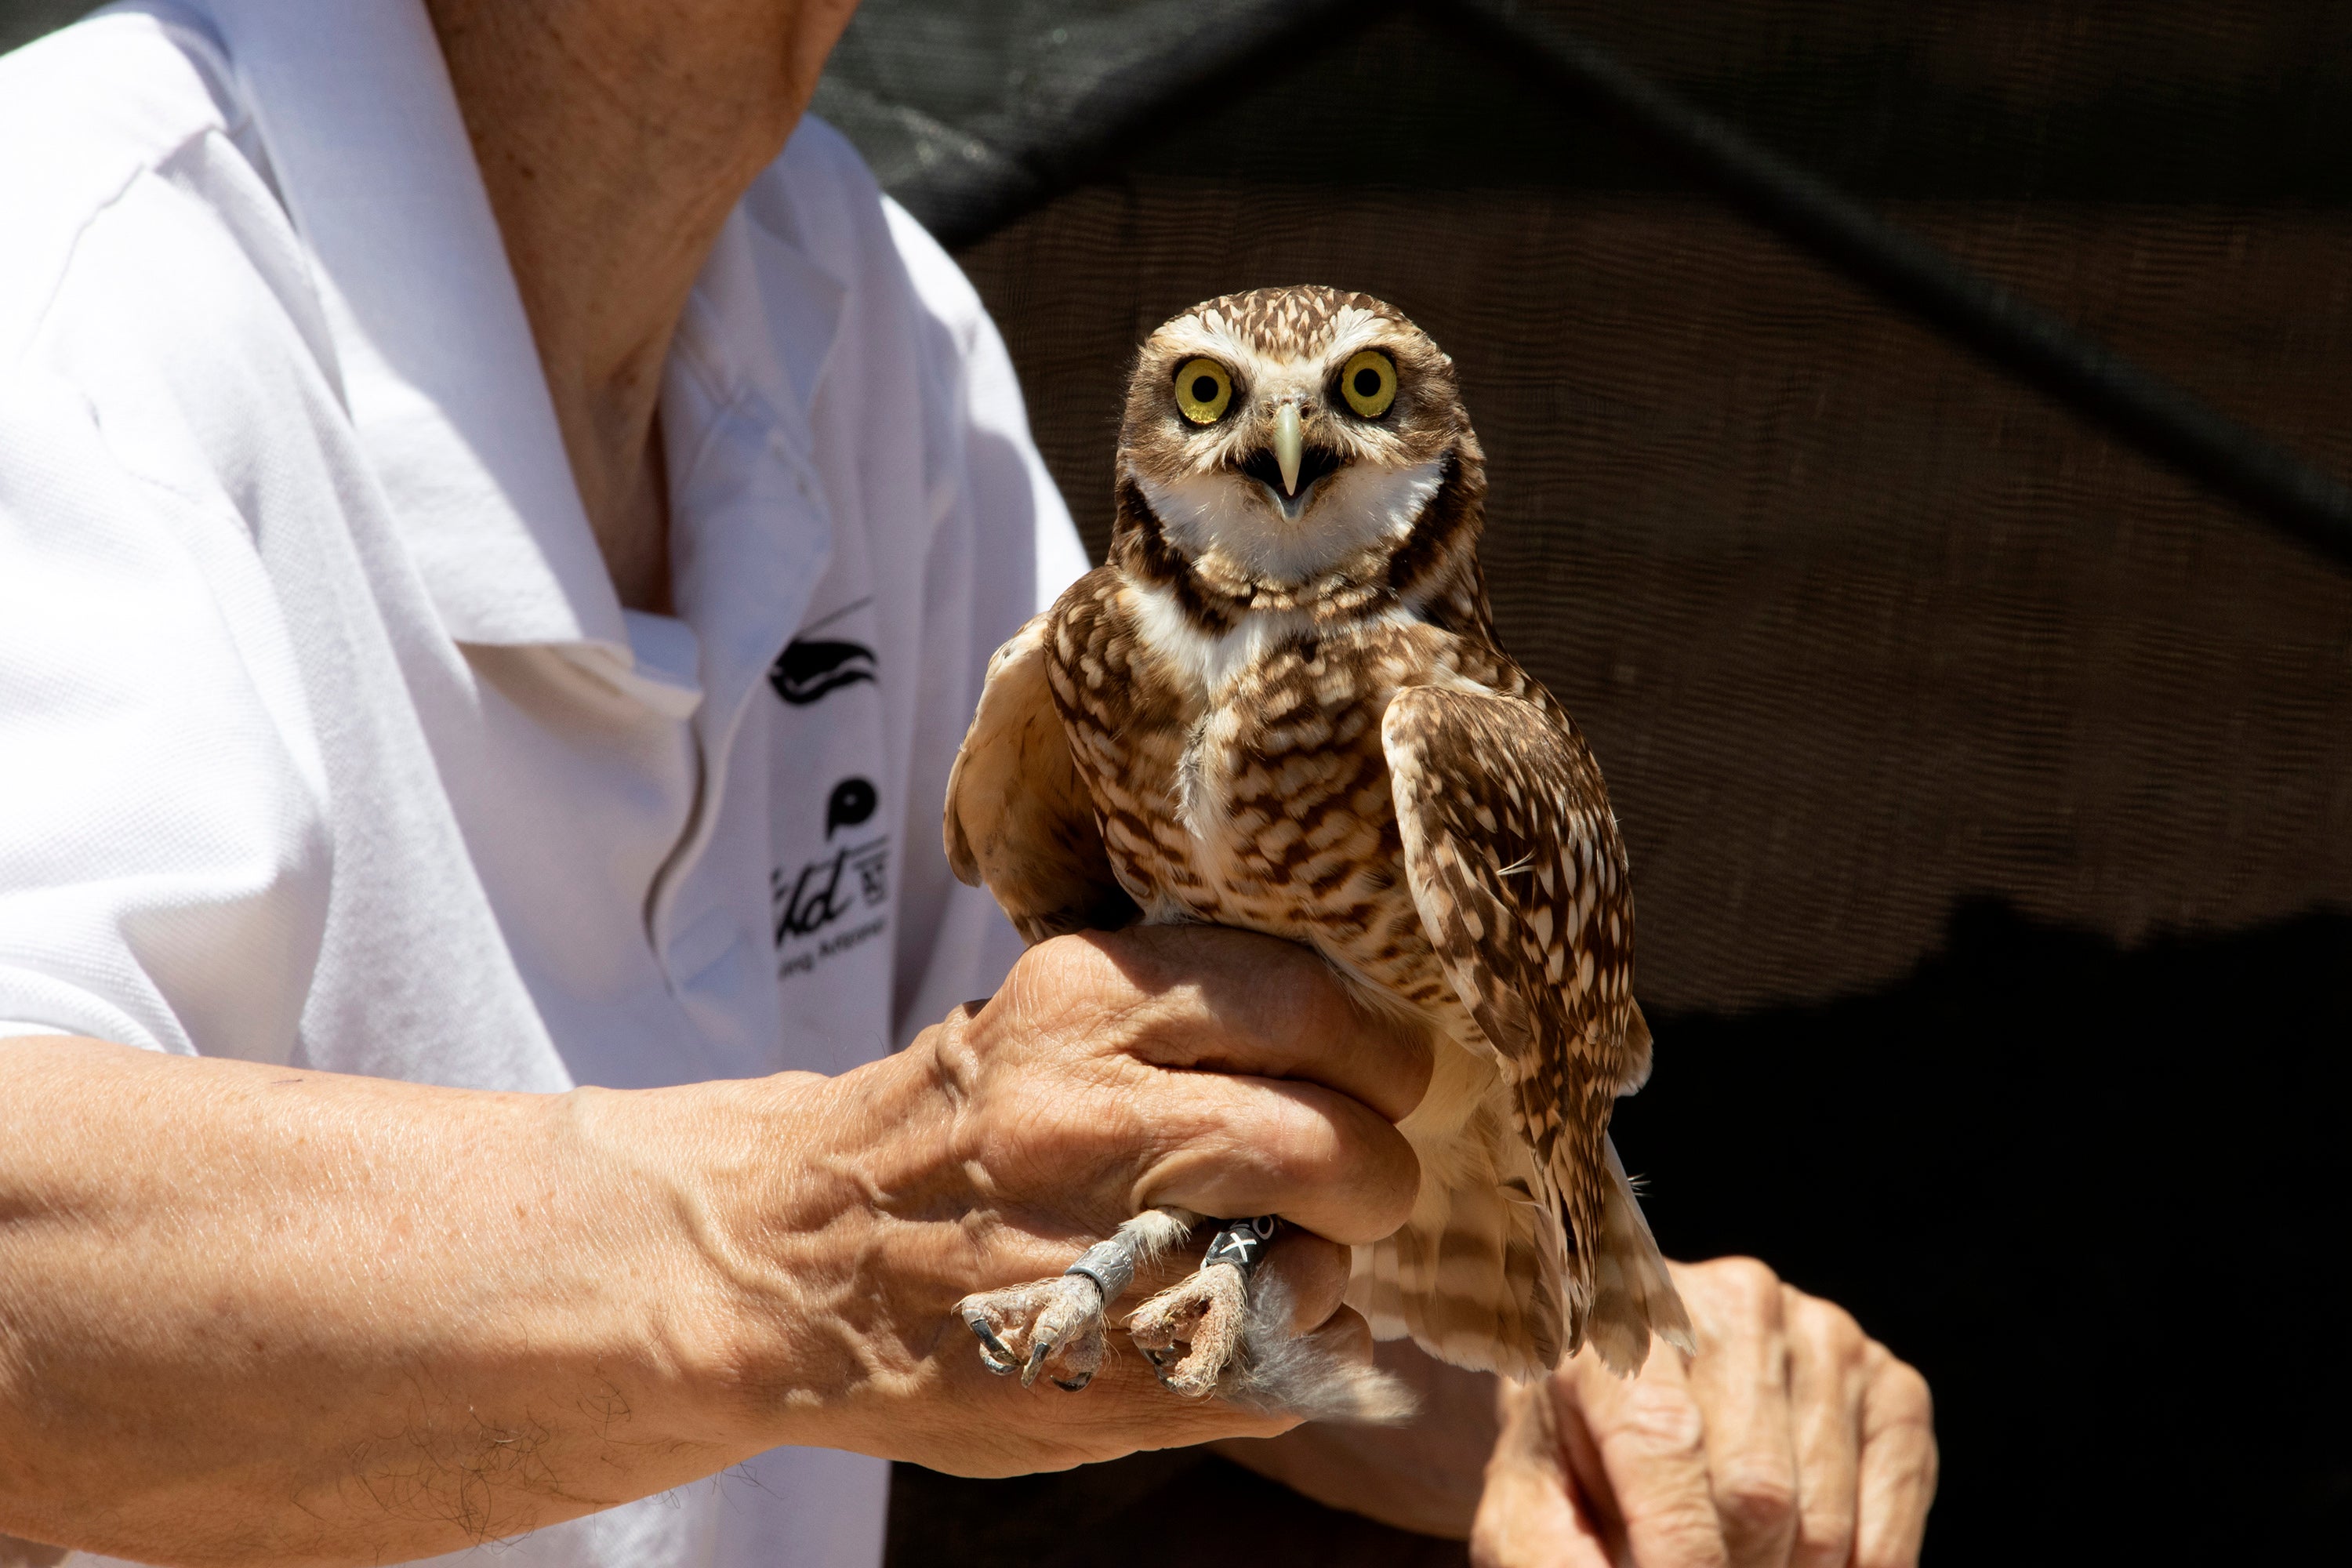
1207 1314
1056 1326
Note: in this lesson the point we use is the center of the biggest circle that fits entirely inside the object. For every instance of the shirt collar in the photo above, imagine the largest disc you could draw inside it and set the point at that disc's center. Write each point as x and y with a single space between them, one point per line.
440 373
754 534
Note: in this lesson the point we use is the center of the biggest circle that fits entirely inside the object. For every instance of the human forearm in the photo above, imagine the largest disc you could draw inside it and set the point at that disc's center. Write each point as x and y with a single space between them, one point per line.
262 1315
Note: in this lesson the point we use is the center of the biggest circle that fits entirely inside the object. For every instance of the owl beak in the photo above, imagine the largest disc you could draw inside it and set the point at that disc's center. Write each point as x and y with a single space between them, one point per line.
1288 446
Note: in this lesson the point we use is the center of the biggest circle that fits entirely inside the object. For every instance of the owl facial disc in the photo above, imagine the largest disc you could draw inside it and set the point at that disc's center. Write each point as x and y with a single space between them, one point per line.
1289 434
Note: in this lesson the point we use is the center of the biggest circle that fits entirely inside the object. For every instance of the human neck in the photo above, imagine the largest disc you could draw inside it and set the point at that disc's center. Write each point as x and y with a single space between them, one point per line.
614 137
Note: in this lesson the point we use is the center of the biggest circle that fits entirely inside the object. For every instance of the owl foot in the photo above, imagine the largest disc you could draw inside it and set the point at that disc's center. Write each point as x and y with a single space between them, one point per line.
1206 1314
1054 1326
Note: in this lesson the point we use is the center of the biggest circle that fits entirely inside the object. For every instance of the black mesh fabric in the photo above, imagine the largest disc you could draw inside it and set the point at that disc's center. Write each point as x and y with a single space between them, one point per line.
1988 784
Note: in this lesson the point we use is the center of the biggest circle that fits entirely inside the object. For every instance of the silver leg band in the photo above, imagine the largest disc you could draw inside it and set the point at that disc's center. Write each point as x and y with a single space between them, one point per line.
1109 1265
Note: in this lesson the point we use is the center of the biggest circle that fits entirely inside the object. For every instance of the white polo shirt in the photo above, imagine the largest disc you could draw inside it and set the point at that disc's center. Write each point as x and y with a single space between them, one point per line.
323 738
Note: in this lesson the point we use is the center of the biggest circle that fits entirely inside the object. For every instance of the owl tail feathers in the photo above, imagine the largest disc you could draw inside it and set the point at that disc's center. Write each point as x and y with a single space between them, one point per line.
1633 1296
1298 1375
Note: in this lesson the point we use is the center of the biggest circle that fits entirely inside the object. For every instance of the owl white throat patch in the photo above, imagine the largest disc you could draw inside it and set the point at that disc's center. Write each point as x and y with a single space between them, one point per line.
1359 507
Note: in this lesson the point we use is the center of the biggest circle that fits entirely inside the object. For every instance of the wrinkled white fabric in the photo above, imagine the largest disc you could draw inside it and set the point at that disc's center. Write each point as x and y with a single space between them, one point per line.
323 737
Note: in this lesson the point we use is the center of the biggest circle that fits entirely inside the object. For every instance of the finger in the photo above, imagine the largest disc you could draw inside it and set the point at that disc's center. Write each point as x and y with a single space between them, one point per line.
1346 1335
1899 1462
1312 1270
1236 1002
1740 1379
1528 1514
1080 1150
1649 1436
1826 1390
1225 1145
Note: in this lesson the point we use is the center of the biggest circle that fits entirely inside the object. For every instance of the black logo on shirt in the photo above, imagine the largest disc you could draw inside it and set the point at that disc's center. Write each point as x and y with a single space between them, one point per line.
807 671
851 802
838 884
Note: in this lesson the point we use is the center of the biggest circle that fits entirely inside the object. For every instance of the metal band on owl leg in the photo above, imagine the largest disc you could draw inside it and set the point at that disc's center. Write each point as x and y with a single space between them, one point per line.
1242 1243
1110 1265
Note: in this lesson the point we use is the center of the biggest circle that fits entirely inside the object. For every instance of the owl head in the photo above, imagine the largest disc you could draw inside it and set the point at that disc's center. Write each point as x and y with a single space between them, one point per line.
1288 437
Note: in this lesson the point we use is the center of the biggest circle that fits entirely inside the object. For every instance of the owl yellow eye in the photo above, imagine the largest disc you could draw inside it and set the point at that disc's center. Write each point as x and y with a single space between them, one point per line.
1369 382
1202 390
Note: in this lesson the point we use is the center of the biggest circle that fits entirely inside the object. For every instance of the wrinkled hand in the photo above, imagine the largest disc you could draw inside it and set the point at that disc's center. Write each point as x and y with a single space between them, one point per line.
1791 1440
1212 1069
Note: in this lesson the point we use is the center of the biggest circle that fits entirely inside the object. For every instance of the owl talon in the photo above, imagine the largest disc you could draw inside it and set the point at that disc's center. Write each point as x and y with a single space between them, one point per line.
1205 1314
993 1353
1047 1326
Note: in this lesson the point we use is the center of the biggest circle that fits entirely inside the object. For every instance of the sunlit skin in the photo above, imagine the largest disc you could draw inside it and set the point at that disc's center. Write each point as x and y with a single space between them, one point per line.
259 1315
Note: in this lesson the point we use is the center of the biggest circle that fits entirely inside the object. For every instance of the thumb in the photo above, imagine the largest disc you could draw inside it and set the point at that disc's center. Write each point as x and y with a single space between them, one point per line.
1530 1514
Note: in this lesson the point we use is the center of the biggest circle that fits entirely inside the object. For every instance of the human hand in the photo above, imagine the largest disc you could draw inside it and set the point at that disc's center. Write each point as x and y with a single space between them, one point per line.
1791 1440
1212 1069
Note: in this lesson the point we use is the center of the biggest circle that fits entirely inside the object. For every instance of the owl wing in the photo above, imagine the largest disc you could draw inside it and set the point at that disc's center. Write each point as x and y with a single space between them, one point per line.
1514 862
1019 818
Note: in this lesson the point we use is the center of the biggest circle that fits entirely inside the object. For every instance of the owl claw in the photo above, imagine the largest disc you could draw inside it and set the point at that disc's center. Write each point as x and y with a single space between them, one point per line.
1205 1314
993 1354
1047 1326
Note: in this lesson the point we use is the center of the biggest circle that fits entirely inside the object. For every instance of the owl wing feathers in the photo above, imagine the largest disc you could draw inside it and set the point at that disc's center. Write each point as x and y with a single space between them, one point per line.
1513 861
1020 819
1476 1275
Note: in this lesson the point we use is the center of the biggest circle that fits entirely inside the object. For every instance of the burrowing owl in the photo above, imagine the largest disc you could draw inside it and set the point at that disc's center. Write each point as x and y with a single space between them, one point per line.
1281 707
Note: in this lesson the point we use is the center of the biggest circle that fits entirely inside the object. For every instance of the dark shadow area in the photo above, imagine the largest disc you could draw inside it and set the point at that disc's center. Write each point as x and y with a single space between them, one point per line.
2087 1190
2094 1195
1181 1509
